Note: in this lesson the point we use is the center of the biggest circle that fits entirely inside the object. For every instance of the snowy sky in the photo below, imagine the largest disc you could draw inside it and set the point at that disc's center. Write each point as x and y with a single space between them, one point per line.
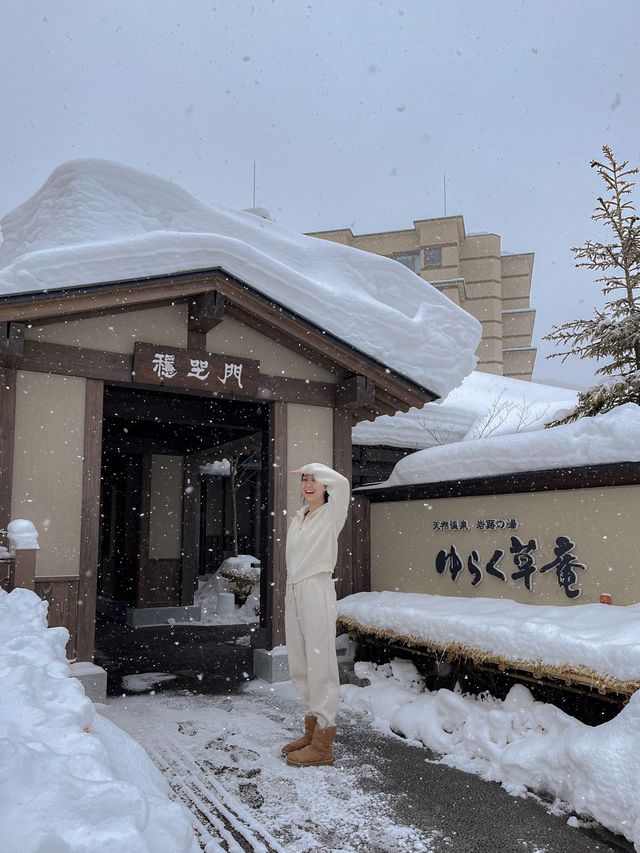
353 110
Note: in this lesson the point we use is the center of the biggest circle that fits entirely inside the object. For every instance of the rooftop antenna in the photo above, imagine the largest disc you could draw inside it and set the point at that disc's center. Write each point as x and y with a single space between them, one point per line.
444 192
254 183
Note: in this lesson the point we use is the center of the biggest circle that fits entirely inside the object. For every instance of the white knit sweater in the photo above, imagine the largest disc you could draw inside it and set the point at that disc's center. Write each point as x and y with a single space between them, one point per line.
312 543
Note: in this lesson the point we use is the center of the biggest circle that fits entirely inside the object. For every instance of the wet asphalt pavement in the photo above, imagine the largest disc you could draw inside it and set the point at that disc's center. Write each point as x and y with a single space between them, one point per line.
473 816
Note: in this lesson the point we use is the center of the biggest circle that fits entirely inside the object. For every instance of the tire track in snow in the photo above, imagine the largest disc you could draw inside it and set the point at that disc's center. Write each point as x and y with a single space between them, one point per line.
222 822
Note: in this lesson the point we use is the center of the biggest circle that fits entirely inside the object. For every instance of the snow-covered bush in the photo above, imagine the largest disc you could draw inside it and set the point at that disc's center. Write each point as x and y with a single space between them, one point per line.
242 573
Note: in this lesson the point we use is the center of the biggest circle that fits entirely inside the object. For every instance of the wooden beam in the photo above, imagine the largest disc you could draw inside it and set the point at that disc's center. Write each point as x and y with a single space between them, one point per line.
342 453
305 391
11 343
88 300
117 367
206 311
245 303
239 447
90 519
583 477
302 336
354 392
7 436
74 361
274 579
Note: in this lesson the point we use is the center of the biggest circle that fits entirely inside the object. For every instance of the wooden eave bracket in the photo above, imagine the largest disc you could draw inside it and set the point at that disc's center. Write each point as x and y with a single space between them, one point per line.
11 343
355 392
206 311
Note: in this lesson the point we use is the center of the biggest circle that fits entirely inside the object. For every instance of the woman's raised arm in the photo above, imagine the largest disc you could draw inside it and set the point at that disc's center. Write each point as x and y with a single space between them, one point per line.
337 487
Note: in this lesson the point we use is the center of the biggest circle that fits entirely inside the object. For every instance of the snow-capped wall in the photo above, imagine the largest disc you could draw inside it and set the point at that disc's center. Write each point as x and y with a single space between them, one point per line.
612 437
483 405
96 221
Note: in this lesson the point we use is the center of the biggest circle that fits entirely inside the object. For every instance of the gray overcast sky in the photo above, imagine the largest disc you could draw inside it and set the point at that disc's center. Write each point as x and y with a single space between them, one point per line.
353 110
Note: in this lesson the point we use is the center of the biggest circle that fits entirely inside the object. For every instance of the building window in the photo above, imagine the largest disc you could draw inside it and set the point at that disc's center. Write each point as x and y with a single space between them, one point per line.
432 258
409 259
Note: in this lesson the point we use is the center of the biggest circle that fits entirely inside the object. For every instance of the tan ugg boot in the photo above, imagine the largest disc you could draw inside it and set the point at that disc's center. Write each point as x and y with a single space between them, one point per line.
309 726
319 751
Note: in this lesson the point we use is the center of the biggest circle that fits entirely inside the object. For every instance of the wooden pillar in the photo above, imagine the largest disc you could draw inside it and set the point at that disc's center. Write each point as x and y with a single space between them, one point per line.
90 518
7 433
143 579
342 462
23 573
190 530
361 544
273 591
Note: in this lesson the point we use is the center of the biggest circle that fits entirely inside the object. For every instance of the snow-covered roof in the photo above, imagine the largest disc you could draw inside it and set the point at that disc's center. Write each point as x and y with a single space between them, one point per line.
483 405
608 438
96 221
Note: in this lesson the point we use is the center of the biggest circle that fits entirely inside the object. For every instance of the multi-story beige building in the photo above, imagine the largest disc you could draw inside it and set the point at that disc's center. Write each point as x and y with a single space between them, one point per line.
472 271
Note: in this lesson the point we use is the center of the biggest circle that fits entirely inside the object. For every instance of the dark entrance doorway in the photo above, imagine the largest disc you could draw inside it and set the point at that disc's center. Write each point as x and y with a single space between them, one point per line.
170 511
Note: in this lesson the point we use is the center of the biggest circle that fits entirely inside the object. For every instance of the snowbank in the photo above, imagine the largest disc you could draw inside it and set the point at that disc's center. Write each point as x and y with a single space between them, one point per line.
521 743
97 221
602 638
483 405
70 781
612 437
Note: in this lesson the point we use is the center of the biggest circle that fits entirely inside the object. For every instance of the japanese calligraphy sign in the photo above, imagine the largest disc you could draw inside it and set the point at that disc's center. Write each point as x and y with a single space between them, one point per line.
180 368
559 547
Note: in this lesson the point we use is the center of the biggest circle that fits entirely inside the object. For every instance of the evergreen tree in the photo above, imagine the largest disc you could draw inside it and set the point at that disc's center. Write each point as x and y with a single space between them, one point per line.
613 334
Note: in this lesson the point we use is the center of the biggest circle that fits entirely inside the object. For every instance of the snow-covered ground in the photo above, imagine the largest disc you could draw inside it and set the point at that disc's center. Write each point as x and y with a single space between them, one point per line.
523 744
483 405
611 437
98 221
222 757
599 638
70 781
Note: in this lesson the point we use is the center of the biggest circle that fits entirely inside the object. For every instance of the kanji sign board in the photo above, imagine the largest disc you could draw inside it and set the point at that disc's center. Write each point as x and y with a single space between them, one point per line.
204 371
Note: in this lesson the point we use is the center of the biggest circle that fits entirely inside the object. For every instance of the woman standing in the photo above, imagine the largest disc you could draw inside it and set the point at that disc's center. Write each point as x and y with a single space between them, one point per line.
310 609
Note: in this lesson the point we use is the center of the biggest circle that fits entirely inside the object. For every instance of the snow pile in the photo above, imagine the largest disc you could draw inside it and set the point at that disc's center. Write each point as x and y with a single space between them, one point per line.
70 781
235 575
602 638
141 682
97 221
612 437
484 405
521 743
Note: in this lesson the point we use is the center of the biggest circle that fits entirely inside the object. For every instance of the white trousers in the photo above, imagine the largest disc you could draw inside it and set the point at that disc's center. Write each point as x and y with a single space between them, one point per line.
310 627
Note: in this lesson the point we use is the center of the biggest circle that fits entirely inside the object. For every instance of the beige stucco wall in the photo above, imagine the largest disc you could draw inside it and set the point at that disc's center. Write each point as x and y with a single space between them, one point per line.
48 463
165 515
309 439
119 332
598 521
233 338
168 326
